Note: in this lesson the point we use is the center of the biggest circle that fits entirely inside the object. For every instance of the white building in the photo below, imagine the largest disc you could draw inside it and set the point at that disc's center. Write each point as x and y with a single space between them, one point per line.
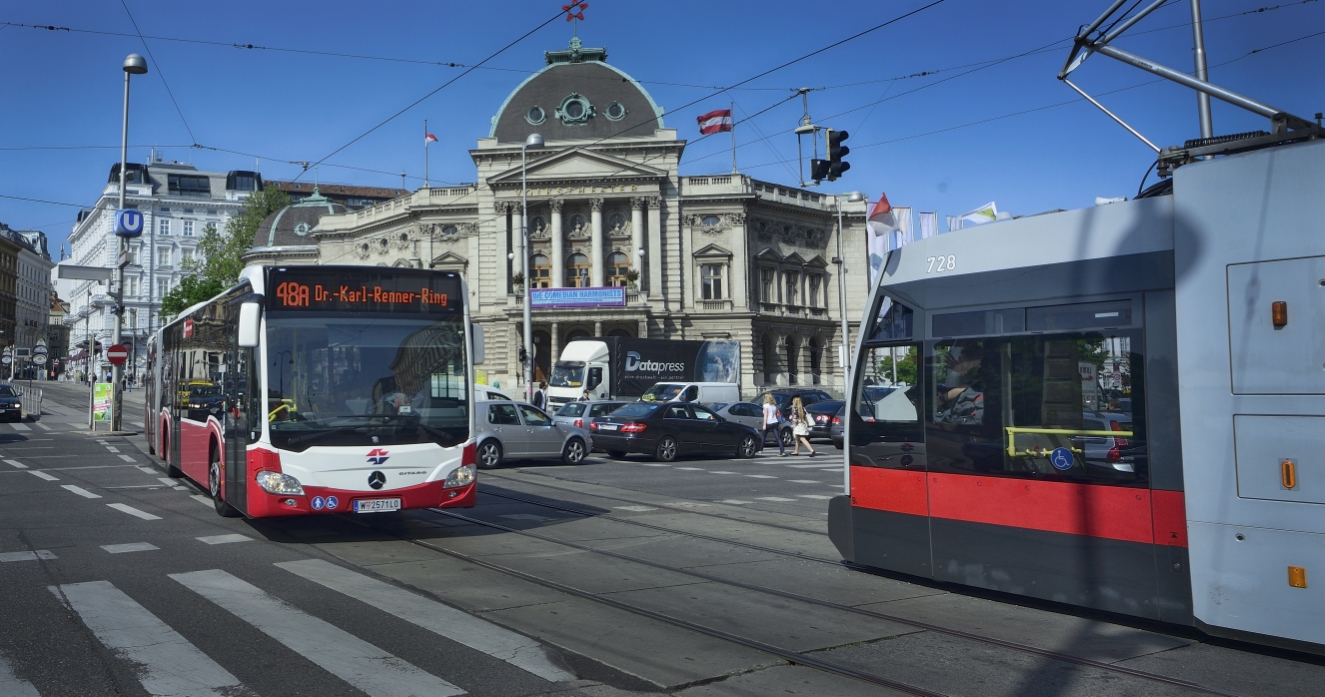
178 202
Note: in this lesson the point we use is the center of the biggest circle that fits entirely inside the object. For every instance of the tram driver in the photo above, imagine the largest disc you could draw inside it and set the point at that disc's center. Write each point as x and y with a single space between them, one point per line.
961 396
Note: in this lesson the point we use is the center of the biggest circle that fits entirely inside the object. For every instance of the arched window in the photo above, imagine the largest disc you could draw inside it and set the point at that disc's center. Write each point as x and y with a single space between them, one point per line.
793 361
770 359
623 333
577 271
540 271
816 361
617 267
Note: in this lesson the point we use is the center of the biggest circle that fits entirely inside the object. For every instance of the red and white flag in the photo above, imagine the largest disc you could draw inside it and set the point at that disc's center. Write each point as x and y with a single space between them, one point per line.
429 138
717 121
882 220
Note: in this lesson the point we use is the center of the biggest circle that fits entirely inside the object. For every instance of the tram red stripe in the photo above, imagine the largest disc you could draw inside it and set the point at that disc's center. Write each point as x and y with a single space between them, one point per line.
1170 515
900 491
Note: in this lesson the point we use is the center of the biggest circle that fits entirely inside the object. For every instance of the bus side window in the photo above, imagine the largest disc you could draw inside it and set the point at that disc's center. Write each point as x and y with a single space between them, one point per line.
885 408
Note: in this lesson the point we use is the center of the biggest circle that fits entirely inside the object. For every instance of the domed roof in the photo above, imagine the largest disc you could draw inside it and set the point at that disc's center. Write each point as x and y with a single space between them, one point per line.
290 225
578 96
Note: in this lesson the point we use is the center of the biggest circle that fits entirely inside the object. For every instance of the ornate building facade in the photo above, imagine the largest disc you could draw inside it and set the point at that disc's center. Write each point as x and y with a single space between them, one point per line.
719 257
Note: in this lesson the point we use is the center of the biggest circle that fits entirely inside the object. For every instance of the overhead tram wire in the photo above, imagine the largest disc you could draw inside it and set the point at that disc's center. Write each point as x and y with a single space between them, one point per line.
159 72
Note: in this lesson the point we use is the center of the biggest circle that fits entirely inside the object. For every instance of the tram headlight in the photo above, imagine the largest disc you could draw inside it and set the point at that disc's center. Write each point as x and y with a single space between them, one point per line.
279 483
460 476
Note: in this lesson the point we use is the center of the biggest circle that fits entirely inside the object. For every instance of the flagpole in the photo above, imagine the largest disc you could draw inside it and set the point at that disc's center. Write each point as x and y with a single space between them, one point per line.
425 154
733 132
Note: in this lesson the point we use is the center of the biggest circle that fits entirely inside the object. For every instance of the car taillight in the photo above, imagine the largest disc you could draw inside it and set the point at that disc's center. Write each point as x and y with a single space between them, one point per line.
1117 442
593 425
633 427
1114 455
837 421
579 423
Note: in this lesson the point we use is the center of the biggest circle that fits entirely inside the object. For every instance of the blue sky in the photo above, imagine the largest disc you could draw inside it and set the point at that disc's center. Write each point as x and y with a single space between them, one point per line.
64 89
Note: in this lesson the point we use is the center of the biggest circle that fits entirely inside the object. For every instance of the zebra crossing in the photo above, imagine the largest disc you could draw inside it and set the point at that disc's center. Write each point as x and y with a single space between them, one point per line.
168 664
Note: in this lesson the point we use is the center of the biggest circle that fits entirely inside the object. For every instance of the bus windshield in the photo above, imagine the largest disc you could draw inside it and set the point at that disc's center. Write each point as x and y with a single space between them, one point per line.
352 380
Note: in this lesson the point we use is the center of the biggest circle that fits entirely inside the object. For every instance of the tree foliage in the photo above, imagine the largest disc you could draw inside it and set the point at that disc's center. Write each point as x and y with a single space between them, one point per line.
221 253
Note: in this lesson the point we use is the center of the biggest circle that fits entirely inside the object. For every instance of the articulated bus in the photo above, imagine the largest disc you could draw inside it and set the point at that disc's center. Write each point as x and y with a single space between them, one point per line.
319 389
1120 408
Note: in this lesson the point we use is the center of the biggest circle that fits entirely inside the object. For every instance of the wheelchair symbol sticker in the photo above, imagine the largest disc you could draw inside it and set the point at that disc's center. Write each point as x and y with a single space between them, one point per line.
1061 459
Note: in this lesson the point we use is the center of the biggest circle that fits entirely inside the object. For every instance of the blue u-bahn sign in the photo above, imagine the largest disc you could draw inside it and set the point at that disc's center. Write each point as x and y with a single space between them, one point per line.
128 223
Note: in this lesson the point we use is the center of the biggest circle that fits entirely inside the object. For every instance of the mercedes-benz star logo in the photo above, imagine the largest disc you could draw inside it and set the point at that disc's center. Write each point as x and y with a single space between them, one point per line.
376 480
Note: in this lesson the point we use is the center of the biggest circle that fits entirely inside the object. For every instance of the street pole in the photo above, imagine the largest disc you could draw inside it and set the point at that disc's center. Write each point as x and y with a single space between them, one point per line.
1202 99
535 141
133 65
91 383
852 197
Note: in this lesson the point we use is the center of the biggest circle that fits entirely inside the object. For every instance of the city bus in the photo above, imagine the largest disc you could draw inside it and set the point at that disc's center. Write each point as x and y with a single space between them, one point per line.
309 390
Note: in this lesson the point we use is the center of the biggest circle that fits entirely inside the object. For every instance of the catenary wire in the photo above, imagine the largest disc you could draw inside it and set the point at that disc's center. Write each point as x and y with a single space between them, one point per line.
159 71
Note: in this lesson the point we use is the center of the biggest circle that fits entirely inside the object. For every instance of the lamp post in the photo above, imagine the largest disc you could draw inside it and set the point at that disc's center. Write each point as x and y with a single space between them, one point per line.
853 197
134 64
534 140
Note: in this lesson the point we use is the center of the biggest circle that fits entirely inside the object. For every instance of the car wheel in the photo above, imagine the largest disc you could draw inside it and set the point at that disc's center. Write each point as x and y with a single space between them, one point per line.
574 452
489 454
787 436
667 448
223 509
748 447
616 454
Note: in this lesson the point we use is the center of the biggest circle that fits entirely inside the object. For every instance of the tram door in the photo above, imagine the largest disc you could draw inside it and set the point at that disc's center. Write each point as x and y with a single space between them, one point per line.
889 488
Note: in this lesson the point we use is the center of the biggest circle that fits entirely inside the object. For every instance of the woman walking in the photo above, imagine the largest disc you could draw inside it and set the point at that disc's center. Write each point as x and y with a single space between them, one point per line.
800 427
772 419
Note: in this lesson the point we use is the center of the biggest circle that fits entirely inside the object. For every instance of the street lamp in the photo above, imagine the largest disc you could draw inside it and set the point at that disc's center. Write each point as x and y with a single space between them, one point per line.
853 197
534 140
134 64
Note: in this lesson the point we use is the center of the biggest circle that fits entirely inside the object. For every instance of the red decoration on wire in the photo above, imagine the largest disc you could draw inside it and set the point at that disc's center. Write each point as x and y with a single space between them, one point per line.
575 10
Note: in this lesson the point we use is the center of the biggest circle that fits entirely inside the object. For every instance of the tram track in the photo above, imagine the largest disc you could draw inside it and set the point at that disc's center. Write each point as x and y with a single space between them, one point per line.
792 656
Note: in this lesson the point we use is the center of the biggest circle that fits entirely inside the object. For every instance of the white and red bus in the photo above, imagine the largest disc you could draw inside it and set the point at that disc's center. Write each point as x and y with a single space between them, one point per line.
320 389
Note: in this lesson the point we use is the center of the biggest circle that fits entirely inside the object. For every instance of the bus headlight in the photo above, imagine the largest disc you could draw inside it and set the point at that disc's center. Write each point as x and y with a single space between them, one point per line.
460 476
279 483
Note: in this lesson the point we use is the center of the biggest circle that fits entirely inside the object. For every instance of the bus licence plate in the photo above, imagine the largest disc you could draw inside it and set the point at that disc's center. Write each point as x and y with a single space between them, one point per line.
376 505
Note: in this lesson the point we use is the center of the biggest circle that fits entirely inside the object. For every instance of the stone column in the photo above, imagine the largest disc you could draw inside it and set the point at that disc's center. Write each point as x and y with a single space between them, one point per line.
738 280
598 327
637 237
558 247
555 348
596 240
657 286
517 230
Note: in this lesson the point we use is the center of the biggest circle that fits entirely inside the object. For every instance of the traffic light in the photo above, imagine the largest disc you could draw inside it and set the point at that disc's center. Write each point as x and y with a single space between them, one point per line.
835 151
524 356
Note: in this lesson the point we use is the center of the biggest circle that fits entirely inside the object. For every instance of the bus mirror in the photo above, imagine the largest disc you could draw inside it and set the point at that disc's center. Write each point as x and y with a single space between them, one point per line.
476 339
250 319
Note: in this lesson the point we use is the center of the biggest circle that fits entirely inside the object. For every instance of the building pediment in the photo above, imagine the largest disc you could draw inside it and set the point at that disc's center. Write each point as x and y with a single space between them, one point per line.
817 262
714 250
449 260
576 168
768 254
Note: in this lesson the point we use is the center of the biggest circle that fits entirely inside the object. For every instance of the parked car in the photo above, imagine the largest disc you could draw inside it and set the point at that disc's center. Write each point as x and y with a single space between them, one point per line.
703 392
581 414
747 413
839 426
509 430
483 393
821 413
669 430
783 396
1108 451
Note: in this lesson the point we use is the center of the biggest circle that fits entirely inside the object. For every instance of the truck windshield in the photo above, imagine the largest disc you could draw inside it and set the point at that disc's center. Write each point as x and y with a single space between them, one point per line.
348 380
567 374
662 392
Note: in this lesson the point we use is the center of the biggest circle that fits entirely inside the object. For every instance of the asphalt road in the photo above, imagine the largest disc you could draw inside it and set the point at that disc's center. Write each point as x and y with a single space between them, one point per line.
697 578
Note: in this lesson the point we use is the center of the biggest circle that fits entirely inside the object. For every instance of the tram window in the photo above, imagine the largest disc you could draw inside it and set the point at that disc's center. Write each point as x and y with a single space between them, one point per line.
894 321
1116 313
1041 407
886 408
980 322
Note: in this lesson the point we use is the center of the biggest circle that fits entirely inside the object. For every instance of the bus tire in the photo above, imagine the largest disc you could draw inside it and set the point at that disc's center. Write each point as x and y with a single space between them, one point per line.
223 509
489 454
171 470
574 453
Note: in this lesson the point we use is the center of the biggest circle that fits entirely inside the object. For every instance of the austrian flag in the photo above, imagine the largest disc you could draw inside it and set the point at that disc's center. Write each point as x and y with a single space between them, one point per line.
429 138
715 121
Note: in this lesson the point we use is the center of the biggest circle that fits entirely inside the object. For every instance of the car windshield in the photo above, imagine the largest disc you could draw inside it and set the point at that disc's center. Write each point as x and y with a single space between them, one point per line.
782 399
571 409
717 406
346 380
7 391
662 392
636 411
567 374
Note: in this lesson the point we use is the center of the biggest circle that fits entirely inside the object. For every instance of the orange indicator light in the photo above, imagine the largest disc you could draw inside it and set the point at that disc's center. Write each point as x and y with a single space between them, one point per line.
1279 314
1297 577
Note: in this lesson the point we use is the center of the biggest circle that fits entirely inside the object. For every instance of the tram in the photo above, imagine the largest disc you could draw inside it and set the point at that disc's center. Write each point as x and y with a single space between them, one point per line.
320 389
1117 408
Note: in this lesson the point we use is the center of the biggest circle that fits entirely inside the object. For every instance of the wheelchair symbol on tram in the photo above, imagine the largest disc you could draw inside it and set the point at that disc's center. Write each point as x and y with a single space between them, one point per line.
1061 459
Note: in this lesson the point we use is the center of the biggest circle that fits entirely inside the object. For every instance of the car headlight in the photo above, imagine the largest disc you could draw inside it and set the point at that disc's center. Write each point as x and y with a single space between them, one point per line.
279 483
460 476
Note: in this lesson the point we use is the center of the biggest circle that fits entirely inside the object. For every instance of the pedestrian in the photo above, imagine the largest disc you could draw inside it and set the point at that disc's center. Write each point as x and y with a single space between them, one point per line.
773 421
800 427
540 396
584 396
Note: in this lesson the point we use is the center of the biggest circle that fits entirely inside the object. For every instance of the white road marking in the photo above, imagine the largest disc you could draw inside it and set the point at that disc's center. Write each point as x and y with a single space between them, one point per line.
16 463
735 502
81 491
42 426
805 467
223 539
126 508
166 480
461 627
340 653
130 547
135 423
692 469
523 516
774 498
101 441
814 496
42 475
721 472
26 556
204 500
127 458
13 685
639 509
688 504
761 476
147 470
653 464
805 481
167 664
112 448
20 427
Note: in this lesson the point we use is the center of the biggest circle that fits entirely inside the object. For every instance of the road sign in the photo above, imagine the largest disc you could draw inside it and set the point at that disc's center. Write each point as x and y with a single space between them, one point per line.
39 359
117 354
6 360
128 223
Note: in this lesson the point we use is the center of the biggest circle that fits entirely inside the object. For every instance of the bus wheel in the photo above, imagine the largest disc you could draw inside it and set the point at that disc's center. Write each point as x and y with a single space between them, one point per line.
171 470
223 509
489 454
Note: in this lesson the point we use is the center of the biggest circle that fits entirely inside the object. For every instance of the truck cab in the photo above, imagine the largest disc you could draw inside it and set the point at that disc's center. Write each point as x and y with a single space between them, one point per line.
584 365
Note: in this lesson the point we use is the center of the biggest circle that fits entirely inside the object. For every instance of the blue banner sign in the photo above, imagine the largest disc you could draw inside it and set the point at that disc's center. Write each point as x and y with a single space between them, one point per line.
610 296
128 223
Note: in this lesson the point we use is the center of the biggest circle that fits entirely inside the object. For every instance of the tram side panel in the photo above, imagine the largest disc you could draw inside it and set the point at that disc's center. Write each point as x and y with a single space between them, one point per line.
1248 237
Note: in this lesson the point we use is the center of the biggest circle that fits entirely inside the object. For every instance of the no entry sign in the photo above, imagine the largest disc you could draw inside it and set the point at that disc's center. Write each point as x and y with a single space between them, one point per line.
117 354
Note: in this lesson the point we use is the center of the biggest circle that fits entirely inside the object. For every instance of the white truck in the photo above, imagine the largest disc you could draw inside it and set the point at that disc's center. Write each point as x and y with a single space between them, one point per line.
614 367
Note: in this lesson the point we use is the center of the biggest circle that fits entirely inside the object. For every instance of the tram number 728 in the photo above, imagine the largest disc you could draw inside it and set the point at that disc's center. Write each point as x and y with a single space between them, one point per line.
941 263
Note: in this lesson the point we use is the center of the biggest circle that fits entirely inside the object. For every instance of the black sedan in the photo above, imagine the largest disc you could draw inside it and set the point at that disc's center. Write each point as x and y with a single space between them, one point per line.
667 431
821 414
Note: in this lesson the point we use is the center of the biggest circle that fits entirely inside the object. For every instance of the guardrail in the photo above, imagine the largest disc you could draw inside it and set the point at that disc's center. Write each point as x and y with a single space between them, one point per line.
31 398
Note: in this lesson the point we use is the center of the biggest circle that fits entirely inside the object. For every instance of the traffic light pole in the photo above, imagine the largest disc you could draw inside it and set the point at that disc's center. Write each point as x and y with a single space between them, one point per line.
121 248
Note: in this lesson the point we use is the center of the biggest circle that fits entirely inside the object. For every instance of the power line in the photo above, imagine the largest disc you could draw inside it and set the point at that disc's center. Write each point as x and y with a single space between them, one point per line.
159 71
38 200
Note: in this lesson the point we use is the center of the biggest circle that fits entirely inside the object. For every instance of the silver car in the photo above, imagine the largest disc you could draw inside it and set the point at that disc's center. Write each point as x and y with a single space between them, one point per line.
511 430
747 413
581 414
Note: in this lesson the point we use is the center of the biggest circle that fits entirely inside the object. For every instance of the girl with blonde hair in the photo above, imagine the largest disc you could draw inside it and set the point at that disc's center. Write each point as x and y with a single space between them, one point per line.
800 427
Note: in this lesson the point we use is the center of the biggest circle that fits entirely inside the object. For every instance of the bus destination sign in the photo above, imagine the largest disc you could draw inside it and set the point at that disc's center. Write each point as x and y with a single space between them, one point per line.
356 289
